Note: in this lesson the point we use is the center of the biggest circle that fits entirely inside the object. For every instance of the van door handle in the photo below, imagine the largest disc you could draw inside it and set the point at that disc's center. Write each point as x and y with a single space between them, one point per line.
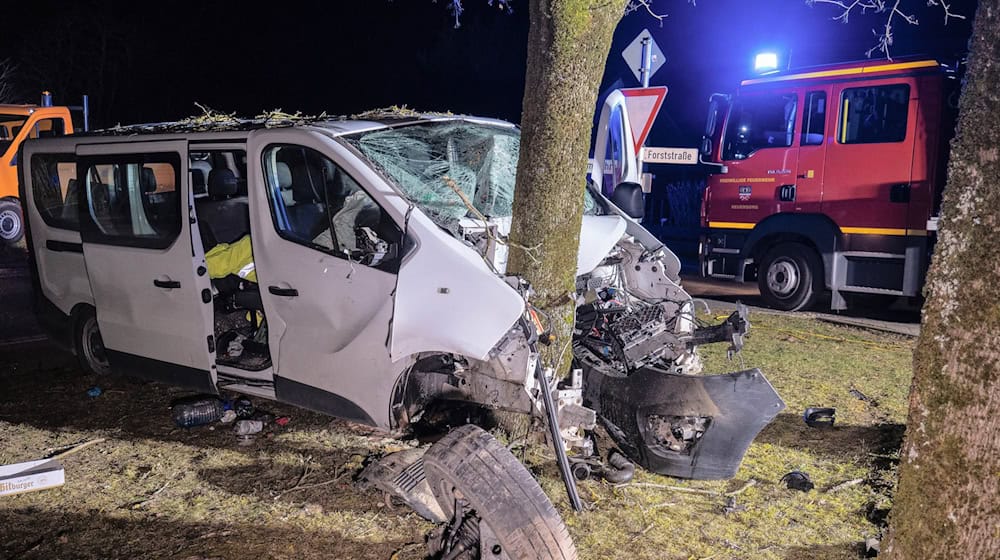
167 284
287 292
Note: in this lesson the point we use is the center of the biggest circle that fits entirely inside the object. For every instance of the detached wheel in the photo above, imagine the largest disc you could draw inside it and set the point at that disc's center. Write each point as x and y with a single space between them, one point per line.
89 344
790 277
497 509
11 221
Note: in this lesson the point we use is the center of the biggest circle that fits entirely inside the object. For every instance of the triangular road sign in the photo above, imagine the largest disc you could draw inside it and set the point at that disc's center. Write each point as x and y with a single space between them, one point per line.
642 105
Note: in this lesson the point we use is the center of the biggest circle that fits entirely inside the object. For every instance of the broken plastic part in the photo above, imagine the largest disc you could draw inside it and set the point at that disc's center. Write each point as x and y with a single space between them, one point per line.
798 480
817 417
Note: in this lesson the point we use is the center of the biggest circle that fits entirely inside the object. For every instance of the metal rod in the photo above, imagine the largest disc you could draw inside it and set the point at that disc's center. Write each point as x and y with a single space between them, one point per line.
86 113
557 442
647 61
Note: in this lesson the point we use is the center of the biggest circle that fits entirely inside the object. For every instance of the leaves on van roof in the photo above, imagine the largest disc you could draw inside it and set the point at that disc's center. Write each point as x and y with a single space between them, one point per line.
211 120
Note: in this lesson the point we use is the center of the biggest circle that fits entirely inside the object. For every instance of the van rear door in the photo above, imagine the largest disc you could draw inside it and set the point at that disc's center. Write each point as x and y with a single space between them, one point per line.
151 290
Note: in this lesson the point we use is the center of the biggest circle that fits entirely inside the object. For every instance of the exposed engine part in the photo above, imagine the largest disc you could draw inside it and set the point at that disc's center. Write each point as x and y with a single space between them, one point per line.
627 339
731 330
459 539
401 475
574 418
616 470
677 433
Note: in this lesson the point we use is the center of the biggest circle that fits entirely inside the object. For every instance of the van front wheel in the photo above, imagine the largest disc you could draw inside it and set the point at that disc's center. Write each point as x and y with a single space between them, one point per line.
790 277
90 350
497 508
11 221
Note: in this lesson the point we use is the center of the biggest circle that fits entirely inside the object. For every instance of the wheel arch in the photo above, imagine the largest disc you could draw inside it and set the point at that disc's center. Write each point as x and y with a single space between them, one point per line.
815 231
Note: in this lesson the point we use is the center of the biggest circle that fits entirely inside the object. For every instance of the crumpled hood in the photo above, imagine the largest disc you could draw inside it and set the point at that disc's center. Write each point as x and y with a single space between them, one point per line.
598 235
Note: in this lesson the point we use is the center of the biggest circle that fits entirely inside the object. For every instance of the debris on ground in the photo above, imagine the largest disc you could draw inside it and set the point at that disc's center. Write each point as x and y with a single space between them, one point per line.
94 392
819 417
872 546
798 480
196 411
732 507
282 421
30 476
228 417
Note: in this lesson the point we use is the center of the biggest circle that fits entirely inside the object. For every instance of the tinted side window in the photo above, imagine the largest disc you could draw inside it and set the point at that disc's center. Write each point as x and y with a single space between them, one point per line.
874 114
315 203
54 189
132 200
814 120
758 122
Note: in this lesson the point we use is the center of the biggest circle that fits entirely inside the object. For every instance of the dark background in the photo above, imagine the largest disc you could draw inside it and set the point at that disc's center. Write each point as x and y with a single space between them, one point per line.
146 61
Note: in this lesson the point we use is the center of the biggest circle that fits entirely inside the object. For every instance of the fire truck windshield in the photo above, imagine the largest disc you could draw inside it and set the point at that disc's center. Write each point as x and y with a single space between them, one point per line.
757 122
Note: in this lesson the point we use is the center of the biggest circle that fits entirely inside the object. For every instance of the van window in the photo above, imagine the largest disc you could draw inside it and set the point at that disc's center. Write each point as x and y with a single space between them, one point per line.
132 200
758 122
315 203
54 189
874 114
814 120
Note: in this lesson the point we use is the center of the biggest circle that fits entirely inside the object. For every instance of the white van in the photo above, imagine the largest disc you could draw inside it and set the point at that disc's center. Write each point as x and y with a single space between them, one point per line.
374 292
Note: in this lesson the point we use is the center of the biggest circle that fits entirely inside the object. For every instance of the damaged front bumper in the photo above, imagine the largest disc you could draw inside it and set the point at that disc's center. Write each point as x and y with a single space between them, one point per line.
684 426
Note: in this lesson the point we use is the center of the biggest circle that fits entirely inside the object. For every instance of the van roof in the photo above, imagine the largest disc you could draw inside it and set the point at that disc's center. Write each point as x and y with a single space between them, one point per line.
335 125
848 69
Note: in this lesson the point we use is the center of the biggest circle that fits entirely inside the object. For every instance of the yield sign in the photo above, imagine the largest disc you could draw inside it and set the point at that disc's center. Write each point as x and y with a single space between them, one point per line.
642 105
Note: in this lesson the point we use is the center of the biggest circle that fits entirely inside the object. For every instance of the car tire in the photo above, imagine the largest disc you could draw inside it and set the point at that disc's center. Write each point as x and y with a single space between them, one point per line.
470 465
790 277
11 221
89 346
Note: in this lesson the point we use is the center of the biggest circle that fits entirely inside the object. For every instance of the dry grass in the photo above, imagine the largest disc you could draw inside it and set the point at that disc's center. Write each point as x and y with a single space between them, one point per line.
156 491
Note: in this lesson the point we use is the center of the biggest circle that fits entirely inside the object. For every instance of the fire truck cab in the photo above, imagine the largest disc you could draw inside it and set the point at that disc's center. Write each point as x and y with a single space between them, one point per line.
829 179
17 124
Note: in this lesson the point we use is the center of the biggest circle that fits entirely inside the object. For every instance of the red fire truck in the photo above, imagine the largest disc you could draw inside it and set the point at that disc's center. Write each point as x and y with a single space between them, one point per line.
829 179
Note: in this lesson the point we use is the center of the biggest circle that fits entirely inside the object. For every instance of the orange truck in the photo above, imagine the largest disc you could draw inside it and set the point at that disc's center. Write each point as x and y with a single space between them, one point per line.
17 124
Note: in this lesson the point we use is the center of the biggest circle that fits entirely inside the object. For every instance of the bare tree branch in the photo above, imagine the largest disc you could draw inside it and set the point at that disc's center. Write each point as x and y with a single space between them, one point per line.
892 9
647 5
7 71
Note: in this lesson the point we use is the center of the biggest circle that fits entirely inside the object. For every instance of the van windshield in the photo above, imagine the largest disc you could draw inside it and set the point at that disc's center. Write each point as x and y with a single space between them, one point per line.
450 169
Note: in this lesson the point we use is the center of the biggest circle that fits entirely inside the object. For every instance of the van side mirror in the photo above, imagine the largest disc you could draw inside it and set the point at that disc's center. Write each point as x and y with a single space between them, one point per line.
628 197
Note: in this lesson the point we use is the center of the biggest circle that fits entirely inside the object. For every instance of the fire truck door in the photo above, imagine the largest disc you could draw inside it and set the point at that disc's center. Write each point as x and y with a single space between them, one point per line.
807 193
868 163
759 149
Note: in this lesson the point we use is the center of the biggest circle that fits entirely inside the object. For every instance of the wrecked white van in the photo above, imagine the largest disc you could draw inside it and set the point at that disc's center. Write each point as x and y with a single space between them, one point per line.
376 293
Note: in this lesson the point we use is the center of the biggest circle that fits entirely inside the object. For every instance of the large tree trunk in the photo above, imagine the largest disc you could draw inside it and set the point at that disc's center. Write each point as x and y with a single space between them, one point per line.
568 43
947 504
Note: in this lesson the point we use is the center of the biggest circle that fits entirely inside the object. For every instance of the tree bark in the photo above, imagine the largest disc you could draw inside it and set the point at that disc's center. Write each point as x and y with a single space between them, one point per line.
568 43
947 504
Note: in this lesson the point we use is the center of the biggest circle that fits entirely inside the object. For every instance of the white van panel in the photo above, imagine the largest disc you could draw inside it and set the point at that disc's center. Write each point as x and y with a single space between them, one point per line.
448 300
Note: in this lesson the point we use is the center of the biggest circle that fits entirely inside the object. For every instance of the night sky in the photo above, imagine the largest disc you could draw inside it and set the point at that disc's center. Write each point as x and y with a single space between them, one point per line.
145 61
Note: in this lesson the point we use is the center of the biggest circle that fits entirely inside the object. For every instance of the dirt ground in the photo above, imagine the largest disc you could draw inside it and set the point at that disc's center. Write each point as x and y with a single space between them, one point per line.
151 490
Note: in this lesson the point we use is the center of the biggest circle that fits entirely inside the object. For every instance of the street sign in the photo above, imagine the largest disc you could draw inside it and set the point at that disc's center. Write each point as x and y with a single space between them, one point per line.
633 55
642 105
679 156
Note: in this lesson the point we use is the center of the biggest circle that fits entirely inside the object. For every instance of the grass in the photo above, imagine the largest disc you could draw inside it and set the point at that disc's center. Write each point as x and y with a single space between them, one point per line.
156 491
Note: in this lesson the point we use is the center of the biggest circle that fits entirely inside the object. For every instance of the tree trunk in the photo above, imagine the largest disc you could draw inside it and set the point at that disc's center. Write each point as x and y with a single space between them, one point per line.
947 504
568 43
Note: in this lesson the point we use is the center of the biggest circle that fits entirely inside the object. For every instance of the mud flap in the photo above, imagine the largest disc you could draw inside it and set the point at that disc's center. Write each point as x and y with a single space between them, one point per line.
696 427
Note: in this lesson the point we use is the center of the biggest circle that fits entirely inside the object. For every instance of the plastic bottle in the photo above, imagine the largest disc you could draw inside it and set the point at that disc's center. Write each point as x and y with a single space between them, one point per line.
197 412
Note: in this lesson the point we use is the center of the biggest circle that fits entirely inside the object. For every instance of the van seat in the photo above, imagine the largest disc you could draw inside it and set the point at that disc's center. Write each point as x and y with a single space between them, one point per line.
226 216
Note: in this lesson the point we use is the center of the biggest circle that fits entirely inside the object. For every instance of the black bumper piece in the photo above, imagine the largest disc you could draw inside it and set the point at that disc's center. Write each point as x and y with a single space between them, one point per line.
696 427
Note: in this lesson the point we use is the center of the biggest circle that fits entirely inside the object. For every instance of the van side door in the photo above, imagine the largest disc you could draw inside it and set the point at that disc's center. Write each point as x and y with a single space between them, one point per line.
51 202
152 294
327 255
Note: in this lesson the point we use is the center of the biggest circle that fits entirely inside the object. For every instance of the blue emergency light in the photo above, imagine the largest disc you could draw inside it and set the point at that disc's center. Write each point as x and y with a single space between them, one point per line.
765 62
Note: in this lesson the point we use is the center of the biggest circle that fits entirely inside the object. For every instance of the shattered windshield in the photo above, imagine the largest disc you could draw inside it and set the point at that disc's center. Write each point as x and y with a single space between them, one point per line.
450 169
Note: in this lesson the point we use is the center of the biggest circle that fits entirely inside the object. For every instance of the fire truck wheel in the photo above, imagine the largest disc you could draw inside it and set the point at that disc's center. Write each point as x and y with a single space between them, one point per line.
11 221
790 277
